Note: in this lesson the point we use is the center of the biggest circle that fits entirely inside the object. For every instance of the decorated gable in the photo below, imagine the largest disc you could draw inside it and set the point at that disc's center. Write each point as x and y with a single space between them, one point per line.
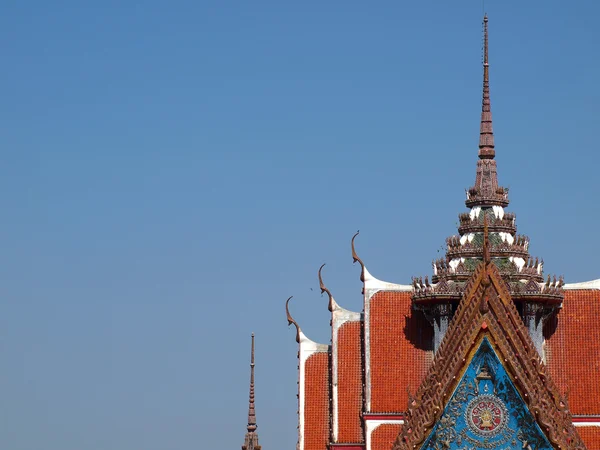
487 387
486 411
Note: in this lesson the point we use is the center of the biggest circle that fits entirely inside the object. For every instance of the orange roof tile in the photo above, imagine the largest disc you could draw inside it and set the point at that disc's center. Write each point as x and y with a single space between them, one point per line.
400 350
349 383
573 350
383 436
590 437
316 409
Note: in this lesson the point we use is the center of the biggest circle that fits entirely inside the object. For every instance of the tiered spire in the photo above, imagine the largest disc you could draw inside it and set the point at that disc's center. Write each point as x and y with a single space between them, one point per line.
251 438
487 232
486 191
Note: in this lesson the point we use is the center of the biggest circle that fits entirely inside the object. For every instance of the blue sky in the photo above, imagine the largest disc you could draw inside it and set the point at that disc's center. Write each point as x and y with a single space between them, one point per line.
171 172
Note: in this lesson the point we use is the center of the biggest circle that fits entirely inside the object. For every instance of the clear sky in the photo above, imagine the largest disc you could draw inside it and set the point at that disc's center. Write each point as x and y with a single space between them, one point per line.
171 172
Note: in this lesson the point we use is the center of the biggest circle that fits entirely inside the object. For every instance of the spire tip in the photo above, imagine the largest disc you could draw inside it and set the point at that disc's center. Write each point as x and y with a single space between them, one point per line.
251 427
486 136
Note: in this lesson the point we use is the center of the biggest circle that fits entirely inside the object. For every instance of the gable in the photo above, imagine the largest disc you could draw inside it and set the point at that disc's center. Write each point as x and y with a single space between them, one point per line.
486 409
487 309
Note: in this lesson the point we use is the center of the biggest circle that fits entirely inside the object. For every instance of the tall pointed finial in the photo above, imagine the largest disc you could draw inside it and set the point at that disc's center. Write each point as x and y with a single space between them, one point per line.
486 191
251 438
486 133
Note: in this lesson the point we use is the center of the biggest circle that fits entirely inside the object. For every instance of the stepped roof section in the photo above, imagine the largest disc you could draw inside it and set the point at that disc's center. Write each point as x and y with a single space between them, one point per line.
353 393
314 429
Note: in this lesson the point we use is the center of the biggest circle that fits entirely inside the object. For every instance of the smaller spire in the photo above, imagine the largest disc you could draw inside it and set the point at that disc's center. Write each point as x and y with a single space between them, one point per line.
251 438
251 410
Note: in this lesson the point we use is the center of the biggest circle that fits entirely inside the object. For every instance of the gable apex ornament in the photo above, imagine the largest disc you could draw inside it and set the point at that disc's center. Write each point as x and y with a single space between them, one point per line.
487 311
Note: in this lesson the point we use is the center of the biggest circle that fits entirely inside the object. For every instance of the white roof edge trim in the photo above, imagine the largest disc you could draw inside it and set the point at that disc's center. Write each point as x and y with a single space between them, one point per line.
341 315
308 346
371 425
372 283
593 284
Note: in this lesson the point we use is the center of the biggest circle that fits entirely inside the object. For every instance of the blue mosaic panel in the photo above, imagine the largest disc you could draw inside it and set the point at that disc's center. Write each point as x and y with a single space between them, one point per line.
486 412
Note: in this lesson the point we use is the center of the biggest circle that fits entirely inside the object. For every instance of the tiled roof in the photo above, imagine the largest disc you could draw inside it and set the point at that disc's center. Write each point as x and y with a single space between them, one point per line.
400 350
316 409
590 436
573 350
383 436
349 383
400 355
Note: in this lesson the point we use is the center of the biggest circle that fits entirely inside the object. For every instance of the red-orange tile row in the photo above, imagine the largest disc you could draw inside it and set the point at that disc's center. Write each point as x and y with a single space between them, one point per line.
400 349
383 437
590 436
349 383
573 351
316 402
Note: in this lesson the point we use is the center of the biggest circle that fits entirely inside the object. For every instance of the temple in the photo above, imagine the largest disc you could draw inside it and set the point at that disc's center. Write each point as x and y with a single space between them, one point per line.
486 352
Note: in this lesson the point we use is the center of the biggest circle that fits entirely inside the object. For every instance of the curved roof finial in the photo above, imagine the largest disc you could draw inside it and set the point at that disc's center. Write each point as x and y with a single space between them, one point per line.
291 320
357 259
324 289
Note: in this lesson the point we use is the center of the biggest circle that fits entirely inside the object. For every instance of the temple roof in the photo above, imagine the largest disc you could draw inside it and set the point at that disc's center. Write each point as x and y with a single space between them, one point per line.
487 310
487 293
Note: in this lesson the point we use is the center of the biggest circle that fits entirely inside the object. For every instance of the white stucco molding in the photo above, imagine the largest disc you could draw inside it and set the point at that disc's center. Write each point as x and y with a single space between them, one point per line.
373 284
594 285
371 425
